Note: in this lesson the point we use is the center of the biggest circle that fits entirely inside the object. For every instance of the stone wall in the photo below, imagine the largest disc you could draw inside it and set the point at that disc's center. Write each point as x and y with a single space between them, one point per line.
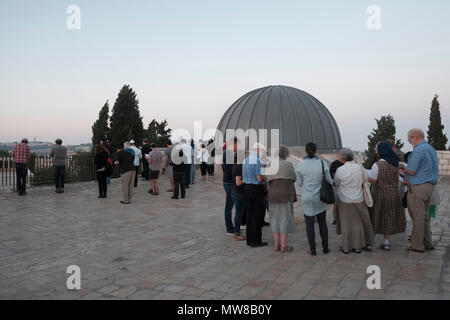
444 163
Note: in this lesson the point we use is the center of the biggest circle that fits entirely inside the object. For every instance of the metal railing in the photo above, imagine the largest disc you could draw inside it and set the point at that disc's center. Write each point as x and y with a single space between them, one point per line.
79 167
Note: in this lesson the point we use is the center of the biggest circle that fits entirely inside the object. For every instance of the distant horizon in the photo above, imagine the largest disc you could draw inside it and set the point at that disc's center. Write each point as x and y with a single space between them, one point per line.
191 60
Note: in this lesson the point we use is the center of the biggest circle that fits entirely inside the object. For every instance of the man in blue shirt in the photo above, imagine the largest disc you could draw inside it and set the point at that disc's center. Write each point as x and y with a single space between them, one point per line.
422 173
252 174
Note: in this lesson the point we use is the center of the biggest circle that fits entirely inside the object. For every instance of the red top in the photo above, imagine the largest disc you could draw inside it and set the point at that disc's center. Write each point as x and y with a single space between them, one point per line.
21 153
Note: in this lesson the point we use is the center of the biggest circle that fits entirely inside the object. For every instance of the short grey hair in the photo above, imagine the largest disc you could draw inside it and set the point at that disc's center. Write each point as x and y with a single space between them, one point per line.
283 152
346 154
126 144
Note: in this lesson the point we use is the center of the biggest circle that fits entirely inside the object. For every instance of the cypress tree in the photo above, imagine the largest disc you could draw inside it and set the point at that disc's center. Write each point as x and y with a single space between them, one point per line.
385 130
435 134
100 129
126 122
157 133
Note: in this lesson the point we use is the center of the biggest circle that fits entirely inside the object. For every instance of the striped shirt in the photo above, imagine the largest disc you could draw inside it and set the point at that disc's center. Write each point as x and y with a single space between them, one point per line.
21 153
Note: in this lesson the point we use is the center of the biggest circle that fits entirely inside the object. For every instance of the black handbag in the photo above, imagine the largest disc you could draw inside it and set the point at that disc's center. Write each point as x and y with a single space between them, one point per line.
405 200
326 190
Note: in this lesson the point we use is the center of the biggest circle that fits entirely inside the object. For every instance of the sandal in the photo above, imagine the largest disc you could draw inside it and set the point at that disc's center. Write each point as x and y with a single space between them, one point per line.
276 248
286 249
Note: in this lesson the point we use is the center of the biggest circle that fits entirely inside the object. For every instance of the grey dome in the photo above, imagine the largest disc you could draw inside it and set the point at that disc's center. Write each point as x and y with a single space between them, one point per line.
300 117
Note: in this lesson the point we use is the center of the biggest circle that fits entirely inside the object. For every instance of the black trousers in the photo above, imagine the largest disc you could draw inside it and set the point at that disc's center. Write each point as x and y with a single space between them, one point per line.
254 212
21 175
145 169
210 169
178 180
136 168
60 173
102 185
187 176
323 229
203 167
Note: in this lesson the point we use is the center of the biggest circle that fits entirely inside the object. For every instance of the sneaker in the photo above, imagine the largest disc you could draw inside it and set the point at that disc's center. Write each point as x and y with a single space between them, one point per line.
174 197
231 233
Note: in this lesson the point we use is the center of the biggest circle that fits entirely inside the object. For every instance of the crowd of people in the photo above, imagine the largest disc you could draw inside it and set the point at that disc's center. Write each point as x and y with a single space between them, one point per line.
360 212
366 202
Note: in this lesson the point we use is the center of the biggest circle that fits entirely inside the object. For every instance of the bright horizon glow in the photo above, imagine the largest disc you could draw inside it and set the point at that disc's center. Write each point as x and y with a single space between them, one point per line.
190 60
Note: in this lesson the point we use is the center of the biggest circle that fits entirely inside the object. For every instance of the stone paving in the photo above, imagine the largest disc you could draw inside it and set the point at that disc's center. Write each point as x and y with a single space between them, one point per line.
159 248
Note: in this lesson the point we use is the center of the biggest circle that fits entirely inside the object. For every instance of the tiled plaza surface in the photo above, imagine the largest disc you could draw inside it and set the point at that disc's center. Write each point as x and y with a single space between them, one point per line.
159 248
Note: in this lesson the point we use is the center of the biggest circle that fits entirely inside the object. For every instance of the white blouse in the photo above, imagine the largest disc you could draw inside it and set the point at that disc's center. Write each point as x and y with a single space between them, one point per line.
349 179
203 155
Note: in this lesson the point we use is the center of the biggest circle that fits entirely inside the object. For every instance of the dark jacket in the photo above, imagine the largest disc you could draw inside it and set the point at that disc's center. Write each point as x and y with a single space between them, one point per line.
126 161
227 168
101 160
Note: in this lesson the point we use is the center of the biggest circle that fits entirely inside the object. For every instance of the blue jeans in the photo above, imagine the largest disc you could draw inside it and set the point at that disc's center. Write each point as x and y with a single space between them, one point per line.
238 200
228 207
60 172
192 172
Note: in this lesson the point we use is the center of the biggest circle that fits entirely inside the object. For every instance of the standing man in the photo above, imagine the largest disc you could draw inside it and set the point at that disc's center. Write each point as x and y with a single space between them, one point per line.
179 170
126 162
167 167
58 153
227 169
137 160
154 161
253 176
21 154
422 174
187 151
145 152
109 151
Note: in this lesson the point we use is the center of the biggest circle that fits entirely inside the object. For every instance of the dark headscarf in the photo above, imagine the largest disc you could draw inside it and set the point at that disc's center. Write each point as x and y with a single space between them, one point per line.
386 153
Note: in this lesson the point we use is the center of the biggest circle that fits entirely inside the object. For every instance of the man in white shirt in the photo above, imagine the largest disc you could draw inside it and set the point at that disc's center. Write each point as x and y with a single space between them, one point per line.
137 160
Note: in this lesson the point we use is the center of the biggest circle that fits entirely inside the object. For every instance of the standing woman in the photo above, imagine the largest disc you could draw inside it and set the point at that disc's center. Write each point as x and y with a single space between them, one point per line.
193 161
388 217
309 178
353 217
101 164
281 201
203 157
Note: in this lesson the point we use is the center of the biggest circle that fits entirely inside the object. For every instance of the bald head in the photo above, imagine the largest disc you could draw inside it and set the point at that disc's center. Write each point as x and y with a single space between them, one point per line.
415 136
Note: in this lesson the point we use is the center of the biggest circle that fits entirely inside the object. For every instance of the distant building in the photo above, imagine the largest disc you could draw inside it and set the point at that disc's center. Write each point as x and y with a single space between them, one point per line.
300 117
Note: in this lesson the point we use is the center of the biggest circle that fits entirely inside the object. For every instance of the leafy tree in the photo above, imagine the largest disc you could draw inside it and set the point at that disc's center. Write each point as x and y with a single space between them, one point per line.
385 130
435 133
157 133
100 129
126 122
4 153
